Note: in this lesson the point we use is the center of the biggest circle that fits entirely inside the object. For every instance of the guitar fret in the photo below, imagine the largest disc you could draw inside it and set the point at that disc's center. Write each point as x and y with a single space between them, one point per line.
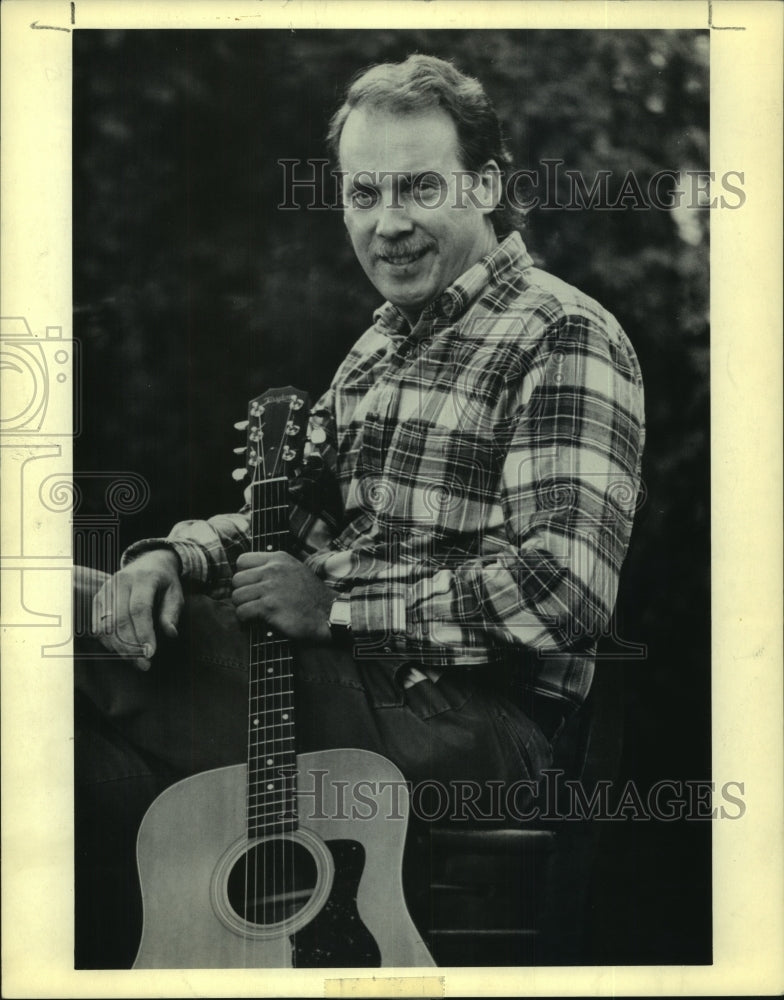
275 777
268 801
268 797
271 739
283 772
259 750
265 829
260 735
271 794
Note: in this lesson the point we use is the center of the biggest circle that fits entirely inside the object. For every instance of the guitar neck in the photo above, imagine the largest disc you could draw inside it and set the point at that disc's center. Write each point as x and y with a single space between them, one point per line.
271 743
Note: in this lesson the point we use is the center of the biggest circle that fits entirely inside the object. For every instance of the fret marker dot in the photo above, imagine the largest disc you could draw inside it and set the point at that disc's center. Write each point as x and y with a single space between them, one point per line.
269 670
269 761
255 722
270 786
269 634
285 716
269 548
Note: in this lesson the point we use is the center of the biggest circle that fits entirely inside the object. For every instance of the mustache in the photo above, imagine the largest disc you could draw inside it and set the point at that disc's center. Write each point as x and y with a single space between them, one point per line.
399 249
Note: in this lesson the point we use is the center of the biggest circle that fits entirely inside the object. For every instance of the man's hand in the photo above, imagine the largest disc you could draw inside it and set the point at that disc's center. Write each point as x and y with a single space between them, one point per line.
131 603
277 589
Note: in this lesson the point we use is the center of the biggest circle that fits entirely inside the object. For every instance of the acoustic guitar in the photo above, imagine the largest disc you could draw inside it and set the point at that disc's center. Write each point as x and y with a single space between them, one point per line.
288 860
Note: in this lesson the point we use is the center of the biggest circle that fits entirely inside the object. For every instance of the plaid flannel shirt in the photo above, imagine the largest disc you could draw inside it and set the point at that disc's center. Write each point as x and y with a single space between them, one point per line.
470 483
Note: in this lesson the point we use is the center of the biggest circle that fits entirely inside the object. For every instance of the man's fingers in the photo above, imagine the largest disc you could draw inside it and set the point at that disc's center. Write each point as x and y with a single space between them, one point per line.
104 605
171 606
247 577
138 627
122 619
128 606
250 611
247 560
252 592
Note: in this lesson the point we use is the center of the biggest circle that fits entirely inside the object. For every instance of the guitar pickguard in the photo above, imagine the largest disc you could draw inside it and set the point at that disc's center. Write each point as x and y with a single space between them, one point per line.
337 936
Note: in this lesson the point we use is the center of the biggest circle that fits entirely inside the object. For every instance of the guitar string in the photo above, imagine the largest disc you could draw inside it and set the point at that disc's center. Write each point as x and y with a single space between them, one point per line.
278 858
280 883
258 468
287 806
274 691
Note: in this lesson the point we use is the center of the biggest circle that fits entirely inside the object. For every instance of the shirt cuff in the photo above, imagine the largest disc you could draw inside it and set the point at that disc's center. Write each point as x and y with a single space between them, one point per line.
378 622
193 561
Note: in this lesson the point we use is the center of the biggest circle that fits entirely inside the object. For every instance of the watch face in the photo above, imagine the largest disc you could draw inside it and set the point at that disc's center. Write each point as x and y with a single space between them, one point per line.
340 613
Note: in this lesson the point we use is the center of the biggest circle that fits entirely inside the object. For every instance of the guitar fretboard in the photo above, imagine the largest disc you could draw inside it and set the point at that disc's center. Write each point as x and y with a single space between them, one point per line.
271 746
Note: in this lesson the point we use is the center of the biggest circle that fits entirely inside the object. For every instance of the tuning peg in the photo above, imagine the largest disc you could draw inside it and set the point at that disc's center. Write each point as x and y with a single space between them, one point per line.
239 451
241 425
239 474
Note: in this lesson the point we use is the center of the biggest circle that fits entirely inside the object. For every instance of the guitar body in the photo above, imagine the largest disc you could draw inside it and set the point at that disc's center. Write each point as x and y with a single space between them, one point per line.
328 893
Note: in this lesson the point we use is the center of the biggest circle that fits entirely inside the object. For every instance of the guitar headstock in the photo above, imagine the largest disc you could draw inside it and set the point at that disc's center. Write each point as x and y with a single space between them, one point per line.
276 431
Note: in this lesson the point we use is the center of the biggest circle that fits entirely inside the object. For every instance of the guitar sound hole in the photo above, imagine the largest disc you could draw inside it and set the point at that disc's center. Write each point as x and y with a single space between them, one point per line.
272 881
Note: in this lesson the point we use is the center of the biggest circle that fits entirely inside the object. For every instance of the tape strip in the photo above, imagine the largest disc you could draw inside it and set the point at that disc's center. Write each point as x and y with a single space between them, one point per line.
386 986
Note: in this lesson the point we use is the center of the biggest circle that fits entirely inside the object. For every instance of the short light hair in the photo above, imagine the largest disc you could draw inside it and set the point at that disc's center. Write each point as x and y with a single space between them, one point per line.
424 82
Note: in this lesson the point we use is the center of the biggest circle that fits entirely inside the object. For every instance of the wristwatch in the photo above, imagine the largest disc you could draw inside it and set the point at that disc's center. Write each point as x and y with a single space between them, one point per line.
340 620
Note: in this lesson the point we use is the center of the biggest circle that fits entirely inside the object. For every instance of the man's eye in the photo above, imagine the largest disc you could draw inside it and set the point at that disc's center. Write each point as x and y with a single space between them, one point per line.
426 190
363 198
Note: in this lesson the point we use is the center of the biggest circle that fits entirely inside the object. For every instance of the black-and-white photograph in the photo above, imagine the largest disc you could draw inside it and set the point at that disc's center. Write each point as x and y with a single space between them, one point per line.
406 334
389 418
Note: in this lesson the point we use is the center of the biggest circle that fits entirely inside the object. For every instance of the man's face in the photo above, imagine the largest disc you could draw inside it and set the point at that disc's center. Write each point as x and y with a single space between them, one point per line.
412 238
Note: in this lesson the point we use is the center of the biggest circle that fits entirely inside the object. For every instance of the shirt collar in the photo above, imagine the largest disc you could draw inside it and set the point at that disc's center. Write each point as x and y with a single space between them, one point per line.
487 273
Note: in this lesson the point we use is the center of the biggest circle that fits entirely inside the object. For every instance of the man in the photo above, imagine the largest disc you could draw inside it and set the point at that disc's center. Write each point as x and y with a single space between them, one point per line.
464 511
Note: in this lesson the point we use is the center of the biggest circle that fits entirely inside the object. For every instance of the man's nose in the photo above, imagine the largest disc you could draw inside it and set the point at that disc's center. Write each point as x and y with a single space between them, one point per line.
393 221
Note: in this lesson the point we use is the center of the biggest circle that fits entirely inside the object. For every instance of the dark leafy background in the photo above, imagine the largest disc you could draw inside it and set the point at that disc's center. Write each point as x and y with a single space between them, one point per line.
193 292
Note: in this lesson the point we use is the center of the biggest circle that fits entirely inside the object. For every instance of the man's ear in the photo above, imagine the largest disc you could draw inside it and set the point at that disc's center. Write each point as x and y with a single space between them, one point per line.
489 190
